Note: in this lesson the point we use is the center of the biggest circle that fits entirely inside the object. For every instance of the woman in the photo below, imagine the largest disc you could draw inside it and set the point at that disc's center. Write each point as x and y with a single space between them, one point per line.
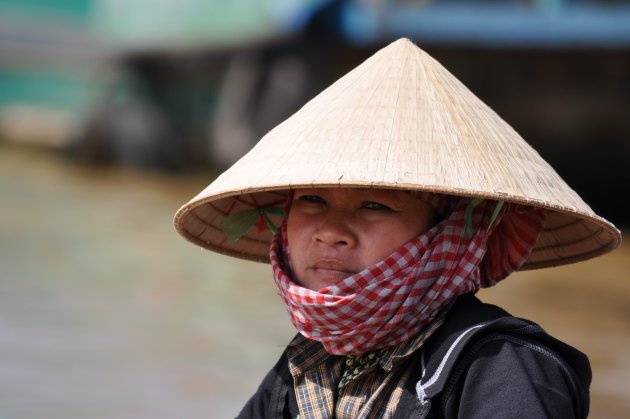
386 202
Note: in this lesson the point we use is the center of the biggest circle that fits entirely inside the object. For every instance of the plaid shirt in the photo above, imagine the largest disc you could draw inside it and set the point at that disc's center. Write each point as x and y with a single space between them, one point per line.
371 391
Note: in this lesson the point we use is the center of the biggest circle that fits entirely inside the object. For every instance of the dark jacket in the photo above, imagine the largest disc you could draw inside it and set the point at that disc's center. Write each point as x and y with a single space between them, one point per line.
481 363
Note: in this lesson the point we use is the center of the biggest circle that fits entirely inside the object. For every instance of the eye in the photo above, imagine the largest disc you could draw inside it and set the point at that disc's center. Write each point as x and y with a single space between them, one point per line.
310 199
375 206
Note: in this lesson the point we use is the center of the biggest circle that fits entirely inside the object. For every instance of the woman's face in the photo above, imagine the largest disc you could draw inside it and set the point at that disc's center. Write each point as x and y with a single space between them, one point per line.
334 233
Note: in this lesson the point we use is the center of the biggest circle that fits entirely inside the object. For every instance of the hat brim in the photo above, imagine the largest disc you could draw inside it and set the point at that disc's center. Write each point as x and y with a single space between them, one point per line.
567 236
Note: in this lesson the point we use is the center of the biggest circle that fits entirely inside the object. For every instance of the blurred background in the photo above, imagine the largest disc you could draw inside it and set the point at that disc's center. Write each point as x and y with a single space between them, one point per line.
114 113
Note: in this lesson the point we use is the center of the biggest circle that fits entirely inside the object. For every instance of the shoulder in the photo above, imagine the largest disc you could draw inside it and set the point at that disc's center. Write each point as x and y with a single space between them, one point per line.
269 399
486 361
502 374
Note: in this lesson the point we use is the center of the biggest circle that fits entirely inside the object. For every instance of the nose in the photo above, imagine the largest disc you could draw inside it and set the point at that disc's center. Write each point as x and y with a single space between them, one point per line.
335 230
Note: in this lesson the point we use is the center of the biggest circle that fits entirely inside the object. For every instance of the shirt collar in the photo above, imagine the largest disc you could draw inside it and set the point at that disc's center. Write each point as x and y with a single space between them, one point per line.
403 350
304 354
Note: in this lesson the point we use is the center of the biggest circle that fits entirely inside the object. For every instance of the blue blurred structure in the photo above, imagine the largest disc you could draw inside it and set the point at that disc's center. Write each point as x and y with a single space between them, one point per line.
528 23
170 63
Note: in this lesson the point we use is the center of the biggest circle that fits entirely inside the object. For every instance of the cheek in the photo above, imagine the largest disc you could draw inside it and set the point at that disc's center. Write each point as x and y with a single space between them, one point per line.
297 233
386 239
291 228
298 241
383 241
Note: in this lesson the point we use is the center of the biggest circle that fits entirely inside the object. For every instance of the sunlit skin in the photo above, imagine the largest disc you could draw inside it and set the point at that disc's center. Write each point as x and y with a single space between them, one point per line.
334 233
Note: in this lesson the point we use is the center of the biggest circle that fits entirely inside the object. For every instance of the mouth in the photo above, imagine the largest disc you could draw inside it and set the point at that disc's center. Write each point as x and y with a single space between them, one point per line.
325 272
332 268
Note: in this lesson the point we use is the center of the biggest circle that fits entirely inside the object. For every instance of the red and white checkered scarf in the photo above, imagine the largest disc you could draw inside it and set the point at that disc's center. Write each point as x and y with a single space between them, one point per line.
393 300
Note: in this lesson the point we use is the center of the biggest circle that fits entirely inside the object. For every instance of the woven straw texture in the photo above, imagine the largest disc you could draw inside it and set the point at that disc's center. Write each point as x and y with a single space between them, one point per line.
399 120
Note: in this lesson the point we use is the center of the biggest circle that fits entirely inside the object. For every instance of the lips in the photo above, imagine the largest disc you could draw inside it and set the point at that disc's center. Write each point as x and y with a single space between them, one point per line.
330 264
332 269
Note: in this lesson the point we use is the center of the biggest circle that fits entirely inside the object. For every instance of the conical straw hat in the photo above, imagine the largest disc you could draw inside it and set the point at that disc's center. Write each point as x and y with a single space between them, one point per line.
399 120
